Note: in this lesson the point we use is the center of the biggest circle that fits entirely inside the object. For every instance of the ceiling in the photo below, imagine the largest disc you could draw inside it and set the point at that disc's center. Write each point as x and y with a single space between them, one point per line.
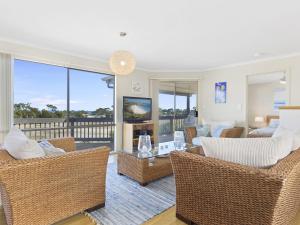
168 35
266 78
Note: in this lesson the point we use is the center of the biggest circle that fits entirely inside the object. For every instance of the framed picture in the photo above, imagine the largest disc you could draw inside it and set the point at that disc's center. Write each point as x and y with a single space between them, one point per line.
136 87
220 92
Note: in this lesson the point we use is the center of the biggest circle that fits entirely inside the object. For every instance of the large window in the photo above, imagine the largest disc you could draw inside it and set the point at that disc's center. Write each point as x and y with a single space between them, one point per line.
53 102
176 101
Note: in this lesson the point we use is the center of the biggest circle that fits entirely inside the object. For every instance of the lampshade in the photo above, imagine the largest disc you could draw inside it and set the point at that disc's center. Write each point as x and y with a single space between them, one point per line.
122 63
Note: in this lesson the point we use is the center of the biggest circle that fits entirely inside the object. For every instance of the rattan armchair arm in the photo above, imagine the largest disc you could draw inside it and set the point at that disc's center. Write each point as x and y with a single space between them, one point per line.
4 156
213 192
45 190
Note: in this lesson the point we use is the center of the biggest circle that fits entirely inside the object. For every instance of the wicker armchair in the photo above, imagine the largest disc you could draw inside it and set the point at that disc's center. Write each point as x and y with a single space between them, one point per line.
191 132
42 191
213 192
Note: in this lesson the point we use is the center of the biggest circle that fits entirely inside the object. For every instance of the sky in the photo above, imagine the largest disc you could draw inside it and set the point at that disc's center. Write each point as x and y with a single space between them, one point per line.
42 84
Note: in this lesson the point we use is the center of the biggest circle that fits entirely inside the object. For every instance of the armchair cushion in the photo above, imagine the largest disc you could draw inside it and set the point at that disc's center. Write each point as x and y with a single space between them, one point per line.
257 152
50 150
20 147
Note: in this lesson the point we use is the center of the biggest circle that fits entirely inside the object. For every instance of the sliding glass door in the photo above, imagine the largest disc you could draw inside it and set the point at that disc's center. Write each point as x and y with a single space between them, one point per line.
91 108
55 102
177 100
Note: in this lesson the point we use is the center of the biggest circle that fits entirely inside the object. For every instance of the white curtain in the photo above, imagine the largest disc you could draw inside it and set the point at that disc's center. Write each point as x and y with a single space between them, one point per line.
6 94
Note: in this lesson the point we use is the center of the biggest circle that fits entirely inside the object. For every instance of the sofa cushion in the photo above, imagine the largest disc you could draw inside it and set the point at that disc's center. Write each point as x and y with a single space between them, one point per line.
202 131
215 126
257 152
274 123
196 141
20 147
295 134
50 150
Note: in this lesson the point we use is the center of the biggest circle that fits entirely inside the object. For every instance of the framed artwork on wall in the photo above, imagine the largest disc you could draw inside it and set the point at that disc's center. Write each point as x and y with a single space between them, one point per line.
136 87
220 92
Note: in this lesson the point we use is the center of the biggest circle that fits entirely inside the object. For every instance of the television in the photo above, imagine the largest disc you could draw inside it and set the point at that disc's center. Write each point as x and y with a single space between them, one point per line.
136 110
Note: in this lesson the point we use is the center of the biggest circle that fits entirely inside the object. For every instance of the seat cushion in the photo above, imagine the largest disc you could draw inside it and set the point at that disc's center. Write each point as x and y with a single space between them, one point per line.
256 152
50 150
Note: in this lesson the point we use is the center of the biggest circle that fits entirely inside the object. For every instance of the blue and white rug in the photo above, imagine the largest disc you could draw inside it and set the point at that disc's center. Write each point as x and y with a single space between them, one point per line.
128 203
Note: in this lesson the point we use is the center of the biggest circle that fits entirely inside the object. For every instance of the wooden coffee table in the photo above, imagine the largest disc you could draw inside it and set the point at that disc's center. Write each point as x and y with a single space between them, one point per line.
145 168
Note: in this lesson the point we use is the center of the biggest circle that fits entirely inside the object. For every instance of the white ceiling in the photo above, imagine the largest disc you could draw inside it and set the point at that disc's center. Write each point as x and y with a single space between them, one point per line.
164 35
266 78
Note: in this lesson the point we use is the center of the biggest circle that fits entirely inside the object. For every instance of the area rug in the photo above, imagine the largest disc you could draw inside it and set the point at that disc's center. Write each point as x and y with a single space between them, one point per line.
128 203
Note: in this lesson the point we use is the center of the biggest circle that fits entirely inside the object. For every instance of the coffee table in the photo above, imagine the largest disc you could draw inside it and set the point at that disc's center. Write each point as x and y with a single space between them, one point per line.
151 166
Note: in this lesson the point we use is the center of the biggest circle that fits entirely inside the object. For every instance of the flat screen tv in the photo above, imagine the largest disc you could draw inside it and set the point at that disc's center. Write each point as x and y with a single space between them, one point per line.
136 110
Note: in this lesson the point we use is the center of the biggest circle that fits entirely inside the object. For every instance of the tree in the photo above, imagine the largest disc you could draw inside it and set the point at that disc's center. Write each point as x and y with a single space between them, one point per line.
24 110
51 108
104 112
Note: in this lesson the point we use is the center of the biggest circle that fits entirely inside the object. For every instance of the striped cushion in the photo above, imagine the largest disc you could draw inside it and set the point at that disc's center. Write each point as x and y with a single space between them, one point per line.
256 152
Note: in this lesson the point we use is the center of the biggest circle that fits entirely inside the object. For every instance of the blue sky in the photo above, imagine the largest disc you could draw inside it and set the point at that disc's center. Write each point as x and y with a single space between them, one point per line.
42 84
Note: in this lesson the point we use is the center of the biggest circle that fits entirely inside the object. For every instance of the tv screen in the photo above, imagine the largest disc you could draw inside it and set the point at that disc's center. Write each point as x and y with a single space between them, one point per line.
136 109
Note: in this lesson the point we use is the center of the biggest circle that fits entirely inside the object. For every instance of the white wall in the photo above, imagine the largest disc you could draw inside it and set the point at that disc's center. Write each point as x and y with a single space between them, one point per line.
123 88
123 83
236 78
261 99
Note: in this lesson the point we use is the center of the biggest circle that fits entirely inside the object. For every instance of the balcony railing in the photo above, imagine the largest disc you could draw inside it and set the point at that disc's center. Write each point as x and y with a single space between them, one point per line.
167 124
86 130
82 129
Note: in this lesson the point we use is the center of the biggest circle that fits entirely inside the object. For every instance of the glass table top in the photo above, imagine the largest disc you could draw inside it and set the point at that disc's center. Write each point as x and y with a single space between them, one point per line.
162 150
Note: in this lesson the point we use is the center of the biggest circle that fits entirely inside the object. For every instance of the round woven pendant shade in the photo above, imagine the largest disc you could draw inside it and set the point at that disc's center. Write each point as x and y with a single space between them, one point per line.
122 63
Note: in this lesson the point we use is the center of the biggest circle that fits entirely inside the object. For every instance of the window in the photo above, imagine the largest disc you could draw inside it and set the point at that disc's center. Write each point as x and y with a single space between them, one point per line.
54 102
176 101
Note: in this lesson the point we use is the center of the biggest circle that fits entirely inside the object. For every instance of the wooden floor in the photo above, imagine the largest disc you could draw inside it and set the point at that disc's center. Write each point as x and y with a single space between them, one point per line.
166 218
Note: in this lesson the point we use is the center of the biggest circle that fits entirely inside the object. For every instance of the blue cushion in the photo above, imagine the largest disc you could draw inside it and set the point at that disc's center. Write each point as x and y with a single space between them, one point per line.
202 131
196 141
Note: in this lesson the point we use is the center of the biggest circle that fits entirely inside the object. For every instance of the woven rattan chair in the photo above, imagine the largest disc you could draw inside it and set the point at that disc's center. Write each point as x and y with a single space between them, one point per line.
191 132
214 192
42 191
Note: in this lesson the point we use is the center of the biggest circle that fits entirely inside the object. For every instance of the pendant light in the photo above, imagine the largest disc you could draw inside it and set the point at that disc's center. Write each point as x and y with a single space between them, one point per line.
122 62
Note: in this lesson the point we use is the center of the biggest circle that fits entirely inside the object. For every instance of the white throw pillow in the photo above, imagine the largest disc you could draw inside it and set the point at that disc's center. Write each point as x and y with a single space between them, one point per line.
20 147
14 140
295 134
256 152
50 150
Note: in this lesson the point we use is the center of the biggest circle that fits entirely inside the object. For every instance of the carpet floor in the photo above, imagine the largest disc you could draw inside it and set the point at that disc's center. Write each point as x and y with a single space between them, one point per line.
128 203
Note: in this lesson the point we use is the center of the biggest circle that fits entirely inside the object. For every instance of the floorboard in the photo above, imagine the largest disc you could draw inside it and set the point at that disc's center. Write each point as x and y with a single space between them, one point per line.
166 218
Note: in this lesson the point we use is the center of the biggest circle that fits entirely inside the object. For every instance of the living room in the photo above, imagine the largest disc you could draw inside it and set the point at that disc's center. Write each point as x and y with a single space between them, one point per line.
149 112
